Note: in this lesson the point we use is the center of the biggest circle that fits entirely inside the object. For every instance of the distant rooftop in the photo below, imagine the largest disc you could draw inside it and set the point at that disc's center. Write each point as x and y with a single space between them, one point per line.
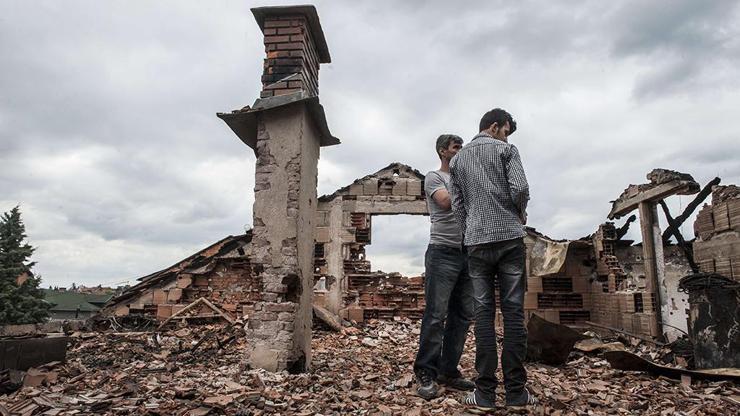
67 300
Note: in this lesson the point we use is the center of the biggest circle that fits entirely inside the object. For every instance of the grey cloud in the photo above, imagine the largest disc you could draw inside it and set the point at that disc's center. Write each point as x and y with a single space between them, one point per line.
680 42
685 25
140 83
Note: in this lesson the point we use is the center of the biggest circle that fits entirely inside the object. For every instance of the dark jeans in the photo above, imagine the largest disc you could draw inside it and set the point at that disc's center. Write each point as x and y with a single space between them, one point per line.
502 261
448 312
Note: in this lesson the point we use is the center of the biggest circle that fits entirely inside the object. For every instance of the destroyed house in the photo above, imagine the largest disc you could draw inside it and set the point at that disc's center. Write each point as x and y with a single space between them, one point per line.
220 273
599 279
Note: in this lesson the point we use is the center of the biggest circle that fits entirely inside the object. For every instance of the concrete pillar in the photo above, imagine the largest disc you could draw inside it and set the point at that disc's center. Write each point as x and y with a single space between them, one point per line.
335 260
282 243
652 254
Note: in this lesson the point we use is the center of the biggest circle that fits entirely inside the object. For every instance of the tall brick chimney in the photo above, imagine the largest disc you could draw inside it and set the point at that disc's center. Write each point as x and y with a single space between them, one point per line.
286 127
295 47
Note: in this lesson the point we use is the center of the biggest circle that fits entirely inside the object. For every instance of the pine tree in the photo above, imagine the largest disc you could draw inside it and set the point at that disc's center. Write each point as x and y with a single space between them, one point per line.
19 303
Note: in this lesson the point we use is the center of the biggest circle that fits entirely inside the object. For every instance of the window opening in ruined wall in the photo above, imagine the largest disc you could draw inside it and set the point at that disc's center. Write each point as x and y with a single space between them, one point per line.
399 243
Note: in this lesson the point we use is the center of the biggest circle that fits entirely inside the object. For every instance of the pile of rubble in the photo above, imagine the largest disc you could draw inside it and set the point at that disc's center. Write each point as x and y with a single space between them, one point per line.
367 370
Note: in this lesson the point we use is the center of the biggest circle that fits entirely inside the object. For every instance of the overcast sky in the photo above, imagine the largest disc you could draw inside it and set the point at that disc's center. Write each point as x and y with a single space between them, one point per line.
110 143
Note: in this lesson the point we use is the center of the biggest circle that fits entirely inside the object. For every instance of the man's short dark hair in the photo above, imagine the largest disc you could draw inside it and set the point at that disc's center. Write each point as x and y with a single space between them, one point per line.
498 116
443 142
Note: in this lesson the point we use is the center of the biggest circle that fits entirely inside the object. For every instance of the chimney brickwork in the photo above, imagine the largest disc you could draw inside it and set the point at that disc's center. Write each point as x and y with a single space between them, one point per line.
292 62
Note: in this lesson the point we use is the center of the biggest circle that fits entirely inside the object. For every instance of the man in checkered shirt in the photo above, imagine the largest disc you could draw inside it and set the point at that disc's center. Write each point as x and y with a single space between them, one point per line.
489 198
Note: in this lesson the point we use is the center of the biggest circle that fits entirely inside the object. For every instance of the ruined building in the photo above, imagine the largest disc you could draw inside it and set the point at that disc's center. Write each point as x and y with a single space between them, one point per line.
599 279
305 251
603 279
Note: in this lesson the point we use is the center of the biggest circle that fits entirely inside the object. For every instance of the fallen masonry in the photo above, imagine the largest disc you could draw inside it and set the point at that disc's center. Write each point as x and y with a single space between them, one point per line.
367 370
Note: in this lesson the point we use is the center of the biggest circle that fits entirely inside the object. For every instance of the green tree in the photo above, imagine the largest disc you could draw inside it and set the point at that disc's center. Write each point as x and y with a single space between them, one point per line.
19 303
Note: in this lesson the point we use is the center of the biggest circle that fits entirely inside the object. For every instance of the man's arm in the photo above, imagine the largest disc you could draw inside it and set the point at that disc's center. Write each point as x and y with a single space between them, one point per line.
442 198
518 186
456 199
435 186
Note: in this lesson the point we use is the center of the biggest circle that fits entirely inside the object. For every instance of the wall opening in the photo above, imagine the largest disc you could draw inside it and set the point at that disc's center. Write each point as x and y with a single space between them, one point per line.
398 243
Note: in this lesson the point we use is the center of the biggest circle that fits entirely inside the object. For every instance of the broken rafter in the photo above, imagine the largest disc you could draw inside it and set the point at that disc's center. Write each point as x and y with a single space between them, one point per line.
204 301
700 197
622 231
623 206
332 320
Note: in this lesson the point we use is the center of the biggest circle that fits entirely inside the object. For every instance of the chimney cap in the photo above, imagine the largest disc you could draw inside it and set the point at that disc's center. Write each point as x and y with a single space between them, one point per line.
307 10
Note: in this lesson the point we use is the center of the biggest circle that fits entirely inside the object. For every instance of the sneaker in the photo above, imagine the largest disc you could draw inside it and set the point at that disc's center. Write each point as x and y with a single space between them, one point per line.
526 399
478 403
426 387
456 383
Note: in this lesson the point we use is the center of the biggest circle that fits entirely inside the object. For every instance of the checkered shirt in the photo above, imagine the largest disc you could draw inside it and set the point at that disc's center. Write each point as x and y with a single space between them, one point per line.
489 190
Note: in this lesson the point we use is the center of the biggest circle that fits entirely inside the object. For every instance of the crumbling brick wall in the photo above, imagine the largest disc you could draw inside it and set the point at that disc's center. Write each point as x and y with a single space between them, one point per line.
221 273
344 228
620 295
717 228
562 296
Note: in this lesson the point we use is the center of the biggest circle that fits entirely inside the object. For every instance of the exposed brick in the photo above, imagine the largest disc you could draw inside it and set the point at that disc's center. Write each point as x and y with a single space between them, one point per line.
277 39
284 62
277 86
278 54
275 288
289 30
280 307
286 317
268 316
284 69
286 91
289 45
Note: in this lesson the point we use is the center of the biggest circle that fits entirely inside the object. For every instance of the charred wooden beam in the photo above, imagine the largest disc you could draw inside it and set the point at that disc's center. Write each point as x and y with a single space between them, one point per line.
628 203
673 225
622 231
700 197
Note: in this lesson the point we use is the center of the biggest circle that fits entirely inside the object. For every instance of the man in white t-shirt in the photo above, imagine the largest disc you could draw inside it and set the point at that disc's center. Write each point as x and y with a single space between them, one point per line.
447 286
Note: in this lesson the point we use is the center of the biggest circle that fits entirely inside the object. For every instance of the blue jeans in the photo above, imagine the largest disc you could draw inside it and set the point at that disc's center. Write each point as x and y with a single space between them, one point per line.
448 312
505 261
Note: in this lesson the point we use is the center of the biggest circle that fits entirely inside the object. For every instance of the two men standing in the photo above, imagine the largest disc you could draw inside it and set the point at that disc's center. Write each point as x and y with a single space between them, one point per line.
488 193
